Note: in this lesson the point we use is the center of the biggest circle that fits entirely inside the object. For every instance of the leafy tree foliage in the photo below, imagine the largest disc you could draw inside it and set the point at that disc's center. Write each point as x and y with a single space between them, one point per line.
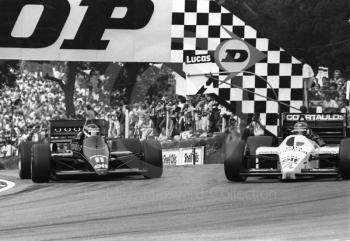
65 75
128 76
8 73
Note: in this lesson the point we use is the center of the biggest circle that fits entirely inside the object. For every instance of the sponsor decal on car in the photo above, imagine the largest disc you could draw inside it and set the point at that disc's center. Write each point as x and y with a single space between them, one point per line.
99 159
67 129
101 166
315 117
100 162
59 133
291 159
293 149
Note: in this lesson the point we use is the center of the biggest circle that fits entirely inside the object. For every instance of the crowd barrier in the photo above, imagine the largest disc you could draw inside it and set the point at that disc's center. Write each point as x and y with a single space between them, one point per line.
184 156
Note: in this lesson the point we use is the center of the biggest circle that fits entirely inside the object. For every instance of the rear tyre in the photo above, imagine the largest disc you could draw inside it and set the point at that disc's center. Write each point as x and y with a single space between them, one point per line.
41 163
234 161
153 161
344 159
253 143
24 160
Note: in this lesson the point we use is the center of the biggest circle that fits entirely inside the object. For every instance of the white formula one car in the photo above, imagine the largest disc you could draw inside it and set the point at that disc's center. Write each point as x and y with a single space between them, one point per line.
297 155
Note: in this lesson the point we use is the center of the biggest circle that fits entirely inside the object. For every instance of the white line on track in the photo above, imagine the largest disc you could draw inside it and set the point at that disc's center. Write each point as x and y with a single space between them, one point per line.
8 185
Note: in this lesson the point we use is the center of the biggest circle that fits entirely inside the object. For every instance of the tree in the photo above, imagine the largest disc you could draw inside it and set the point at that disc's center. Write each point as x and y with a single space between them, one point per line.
128 76
8 73
65 75
65 78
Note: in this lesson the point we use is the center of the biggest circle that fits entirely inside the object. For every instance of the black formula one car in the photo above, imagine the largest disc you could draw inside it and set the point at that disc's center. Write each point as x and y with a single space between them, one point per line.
77 147
296 153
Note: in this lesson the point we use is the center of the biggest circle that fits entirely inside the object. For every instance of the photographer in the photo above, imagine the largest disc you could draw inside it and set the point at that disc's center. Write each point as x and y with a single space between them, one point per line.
214 119
120 118
255 127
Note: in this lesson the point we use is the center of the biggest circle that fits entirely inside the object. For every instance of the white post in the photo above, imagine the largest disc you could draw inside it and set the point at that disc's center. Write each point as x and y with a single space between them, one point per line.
167 124
306 93
127 130
223 124
85 91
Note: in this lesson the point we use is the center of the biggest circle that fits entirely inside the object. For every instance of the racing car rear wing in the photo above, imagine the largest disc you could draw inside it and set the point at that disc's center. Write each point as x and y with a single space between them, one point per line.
330 127
66 130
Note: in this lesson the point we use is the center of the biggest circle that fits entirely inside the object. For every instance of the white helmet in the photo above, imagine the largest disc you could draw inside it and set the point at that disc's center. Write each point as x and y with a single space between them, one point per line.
91 130
300 128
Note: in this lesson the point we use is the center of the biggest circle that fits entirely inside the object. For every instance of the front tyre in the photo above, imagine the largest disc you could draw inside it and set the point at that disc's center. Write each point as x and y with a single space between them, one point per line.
153 161
234 162
41 163
344 159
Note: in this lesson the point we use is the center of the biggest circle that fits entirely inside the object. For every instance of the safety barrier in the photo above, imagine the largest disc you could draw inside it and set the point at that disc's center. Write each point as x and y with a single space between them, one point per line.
184 156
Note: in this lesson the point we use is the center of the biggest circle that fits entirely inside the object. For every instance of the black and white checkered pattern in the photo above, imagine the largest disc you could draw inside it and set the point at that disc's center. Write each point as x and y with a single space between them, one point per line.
197 28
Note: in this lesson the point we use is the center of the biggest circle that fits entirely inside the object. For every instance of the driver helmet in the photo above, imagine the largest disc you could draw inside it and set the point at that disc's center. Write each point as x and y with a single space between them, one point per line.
300 128
91 130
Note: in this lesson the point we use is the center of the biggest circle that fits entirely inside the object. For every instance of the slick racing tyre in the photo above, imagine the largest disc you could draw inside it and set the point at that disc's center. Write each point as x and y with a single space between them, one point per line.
41 163
344 159
24 159
253 143
234 159
153 161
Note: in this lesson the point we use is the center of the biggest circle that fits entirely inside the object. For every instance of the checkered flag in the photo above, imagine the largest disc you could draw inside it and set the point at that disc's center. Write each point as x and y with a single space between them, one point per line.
199 27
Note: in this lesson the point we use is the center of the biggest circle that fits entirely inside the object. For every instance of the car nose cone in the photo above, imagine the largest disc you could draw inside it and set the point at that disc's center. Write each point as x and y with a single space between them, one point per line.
288 175
101 172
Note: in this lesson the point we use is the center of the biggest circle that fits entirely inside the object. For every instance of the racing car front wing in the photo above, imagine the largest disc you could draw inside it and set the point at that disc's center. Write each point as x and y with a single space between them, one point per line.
111 172
333 172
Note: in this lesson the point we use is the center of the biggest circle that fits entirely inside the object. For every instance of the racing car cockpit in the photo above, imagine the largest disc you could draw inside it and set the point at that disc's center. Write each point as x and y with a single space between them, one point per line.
92 130
89 130
302 128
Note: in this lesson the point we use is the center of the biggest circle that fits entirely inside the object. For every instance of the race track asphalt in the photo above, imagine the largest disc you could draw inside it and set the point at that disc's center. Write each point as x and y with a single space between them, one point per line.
188 203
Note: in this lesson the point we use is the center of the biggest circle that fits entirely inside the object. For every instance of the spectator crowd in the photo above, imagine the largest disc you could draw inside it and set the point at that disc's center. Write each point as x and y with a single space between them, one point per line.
26 110
330 95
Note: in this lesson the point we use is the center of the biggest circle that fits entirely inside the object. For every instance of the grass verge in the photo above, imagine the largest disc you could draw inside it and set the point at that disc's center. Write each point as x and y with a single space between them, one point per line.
8 163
